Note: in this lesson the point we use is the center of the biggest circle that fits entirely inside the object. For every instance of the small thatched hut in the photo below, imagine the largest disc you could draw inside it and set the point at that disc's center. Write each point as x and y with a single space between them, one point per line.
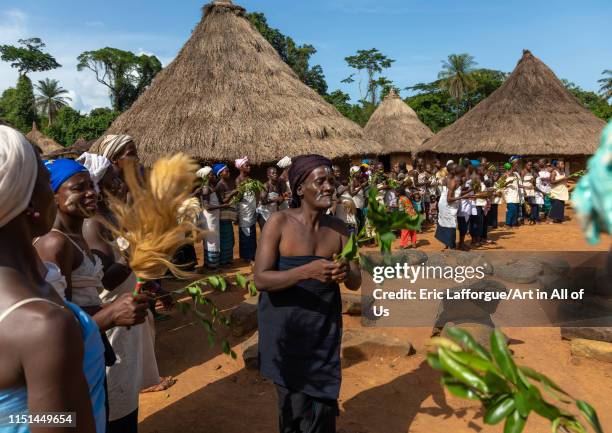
532 113
397 128
46 144
73 151
228 94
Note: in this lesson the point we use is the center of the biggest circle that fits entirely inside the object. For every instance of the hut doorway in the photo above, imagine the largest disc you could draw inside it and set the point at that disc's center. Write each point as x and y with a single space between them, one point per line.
386 160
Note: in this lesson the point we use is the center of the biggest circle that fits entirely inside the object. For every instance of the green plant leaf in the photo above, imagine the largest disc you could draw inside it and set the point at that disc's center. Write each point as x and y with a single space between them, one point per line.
252 289
458 389
241 281
515 423
523 403
544 380
225 347
499 411
445 342
460 372
473 361
502 356
434 361
496 383
463 337
589 412
222 284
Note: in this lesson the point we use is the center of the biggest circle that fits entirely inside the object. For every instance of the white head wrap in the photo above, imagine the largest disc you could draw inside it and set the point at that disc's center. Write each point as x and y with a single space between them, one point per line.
449 162
203 172
18 173
110 145
241 161
96 165
354 169
284 163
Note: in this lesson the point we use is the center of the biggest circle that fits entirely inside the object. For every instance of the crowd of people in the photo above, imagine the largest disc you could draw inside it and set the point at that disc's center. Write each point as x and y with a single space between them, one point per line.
459 199
66 286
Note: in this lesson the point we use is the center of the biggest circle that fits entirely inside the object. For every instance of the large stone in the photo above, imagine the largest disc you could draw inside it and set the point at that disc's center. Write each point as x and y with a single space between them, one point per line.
243 318
598 350
554 265
250 352
587 333
361 344
480 332
354 304
517 270
465 258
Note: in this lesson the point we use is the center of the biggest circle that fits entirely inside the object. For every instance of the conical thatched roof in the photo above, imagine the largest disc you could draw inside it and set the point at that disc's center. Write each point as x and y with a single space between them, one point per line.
229 94
532 113
46 144
396 126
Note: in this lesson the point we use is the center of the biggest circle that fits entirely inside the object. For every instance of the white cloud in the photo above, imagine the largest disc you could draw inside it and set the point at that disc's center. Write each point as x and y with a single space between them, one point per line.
65 44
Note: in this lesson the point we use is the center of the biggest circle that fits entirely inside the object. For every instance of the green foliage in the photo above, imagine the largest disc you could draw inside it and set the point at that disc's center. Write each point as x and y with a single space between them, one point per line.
372 62
456 77
69 125
436 108
296 56
597 104
507 392
358 113
51 97
18 106
606 84
28 57
250 185
125 74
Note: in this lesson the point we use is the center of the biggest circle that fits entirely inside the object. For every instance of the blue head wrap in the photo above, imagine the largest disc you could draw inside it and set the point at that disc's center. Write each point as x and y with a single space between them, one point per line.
475 162
514 158
218 168
61 170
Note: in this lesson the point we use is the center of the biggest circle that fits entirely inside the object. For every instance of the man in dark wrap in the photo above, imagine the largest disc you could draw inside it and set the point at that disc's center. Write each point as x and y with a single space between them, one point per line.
300 320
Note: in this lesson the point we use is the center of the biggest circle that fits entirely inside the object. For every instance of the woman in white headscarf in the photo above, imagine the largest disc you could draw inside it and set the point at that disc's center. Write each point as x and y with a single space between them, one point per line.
209 201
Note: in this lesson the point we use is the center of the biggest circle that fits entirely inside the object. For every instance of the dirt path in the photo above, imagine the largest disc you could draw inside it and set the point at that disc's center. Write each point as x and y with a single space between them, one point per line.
215 394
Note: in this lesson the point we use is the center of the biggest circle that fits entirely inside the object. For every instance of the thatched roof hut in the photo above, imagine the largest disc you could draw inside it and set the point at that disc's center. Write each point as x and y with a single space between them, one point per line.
396 126
531 113
228 93
73 151
46 144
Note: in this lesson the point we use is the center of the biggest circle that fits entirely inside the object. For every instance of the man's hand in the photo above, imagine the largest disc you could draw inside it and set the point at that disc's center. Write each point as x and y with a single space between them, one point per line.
129 310
327 271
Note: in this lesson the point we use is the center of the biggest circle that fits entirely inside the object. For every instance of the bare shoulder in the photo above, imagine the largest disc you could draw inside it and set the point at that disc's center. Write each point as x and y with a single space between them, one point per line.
52 241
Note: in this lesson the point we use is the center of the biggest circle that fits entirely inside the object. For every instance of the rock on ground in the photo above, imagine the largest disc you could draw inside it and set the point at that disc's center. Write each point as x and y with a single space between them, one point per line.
243 318
587 333
250 352
480 332
598 350
361 345
354 304
518 271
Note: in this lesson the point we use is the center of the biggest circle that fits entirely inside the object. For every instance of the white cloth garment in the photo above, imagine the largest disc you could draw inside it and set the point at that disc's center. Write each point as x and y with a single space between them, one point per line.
266 210
203 172
284 163
538 195
247 212
56 279
447 212
560 190
96 165
511 191
210 223
18 173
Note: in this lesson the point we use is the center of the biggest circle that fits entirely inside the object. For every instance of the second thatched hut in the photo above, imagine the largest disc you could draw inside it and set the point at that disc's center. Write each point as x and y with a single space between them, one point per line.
228 94
531 113
397 128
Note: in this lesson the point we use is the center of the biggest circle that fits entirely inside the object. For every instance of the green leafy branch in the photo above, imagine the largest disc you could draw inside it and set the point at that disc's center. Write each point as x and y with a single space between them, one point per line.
507 391
250 185
205 310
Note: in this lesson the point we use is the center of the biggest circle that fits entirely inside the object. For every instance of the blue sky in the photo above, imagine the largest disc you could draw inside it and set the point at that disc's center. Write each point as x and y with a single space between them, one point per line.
572 37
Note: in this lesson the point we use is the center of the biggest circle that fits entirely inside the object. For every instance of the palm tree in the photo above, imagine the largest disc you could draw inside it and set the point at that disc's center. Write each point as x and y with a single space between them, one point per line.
606 84
455 76
50 97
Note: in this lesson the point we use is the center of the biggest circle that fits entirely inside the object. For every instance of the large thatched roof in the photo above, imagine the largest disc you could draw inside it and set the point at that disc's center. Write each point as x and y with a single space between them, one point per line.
228 93
396 126
46 144
532 113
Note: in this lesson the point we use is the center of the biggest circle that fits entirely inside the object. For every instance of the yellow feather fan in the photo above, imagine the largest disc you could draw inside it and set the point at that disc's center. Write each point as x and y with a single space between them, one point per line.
150 221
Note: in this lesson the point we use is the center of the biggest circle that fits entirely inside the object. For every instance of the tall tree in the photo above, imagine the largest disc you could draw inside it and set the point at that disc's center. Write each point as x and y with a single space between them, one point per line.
372 62
51 97
598 105
606 84
125 74
29 56
23 112
70 125
296 56
456 77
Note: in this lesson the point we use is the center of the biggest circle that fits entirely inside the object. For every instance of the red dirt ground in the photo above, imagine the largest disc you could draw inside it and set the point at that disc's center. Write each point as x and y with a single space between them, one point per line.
215 394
